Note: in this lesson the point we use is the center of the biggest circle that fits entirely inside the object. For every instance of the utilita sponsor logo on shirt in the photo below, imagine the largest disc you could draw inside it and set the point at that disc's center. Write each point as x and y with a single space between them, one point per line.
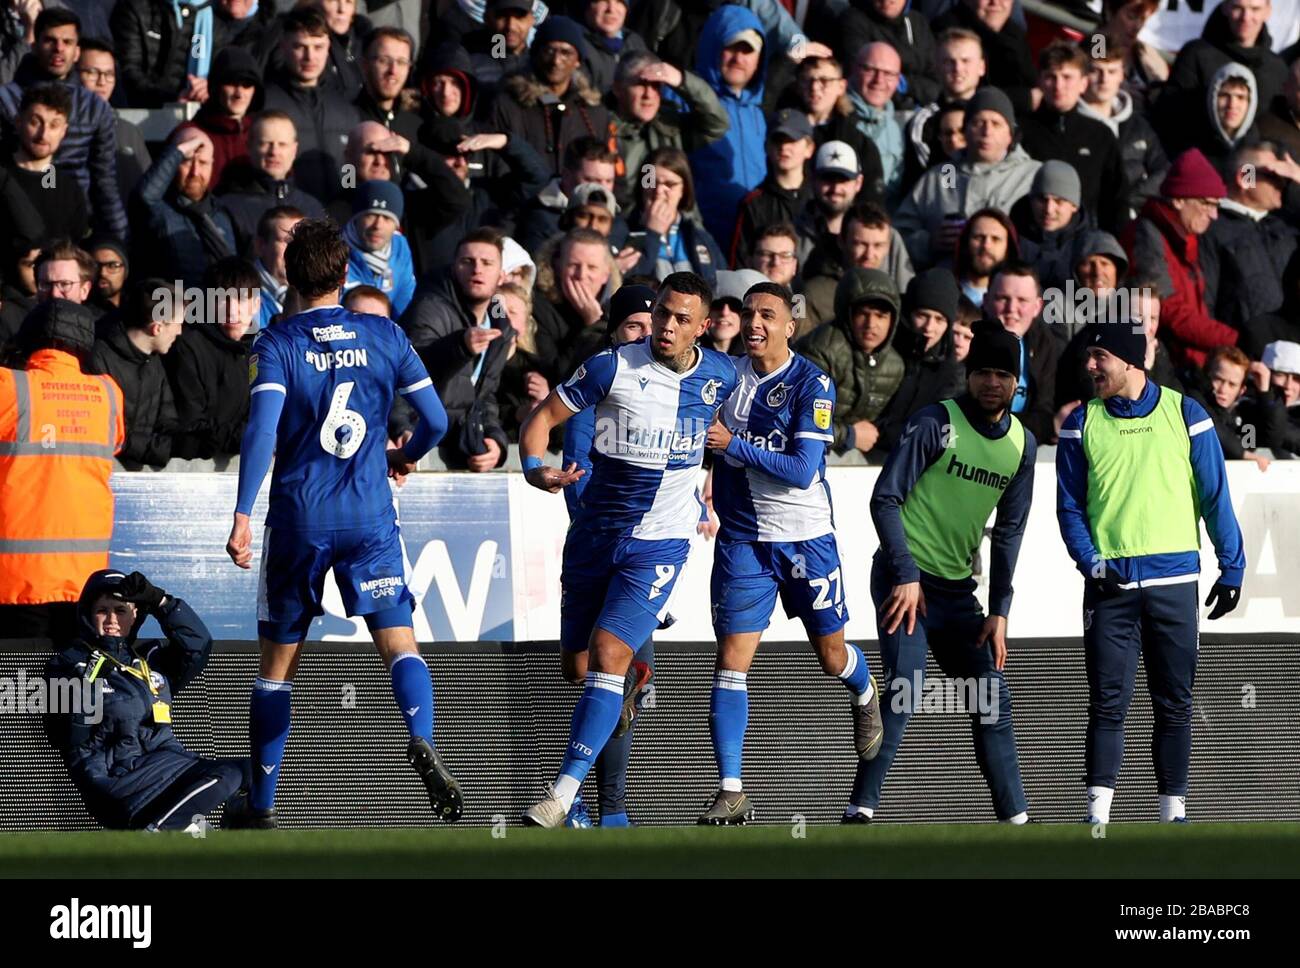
102 922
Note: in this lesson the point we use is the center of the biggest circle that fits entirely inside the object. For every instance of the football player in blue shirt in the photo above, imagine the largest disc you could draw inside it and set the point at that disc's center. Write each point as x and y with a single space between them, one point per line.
654 401
629 321
777 534
322 384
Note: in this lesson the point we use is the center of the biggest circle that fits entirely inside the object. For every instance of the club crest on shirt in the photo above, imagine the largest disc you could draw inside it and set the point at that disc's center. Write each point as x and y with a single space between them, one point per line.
776 396
709 392
822 414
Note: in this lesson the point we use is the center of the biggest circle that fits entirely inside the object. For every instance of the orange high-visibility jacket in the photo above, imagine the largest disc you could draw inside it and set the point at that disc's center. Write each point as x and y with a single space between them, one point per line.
59 430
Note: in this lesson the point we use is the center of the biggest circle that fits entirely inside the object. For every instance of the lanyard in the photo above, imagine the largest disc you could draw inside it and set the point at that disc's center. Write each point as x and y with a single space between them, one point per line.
160 709
142 673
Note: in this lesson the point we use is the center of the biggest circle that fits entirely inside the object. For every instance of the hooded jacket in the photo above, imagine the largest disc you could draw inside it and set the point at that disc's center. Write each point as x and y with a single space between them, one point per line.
1141 153
229 135
864 382
208 374
929 376
819 289
702 124
998 184
436 322
123 761
89 149
1198 61
1158 248
148 404
526 109
1214 141
729 168
1067 317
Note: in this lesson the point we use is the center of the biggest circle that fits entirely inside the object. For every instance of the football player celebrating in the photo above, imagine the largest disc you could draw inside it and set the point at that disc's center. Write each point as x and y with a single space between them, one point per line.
777 534
323 382
625 549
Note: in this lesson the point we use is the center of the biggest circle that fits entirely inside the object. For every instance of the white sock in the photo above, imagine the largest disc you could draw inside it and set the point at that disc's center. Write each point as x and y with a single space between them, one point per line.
1172 808
1099 799
853 809
566 789
1018 819
731 784
865 696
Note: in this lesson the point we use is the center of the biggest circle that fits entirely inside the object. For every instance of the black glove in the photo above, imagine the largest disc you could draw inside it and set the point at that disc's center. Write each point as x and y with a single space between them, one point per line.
137 589
1224 598
1105 586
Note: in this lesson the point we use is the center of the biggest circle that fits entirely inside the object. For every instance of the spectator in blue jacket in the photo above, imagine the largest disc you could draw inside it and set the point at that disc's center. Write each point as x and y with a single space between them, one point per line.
379 255
131 770
187 229
89 149
732 57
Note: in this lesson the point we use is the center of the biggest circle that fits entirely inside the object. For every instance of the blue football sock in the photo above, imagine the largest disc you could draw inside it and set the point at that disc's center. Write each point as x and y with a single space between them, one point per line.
594 719
414 694
728 719
268 728
856 675
615 820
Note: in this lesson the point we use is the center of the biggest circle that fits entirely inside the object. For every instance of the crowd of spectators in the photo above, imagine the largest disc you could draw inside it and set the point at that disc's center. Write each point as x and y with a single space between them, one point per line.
500 168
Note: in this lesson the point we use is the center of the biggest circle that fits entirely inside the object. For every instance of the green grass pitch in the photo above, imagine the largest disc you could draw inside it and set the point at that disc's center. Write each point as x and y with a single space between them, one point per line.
977 850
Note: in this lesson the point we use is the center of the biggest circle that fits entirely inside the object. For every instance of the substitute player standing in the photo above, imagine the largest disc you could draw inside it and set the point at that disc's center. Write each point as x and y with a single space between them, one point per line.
777 533
625 549
954 463
1137 468
322 386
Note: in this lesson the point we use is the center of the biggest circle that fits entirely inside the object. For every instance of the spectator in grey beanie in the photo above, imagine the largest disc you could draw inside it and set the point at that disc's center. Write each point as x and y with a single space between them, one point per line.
1050 220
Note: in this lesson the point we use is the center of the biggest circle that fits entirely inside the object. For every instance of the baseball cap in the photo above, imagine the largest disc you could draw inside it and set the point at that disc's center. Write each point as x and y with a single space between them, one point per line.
837 158
748 36
589 193
790 124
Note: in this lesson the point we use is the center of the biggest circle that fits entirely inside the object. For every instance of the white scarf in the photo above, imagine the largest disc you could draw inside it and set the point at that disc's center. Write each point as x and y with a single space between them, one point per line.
377 261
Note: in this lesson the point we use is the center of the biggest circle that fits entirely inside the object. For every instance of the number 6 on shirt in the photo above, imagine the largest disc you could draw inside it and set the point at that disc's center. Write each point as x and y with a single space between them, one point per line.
343 430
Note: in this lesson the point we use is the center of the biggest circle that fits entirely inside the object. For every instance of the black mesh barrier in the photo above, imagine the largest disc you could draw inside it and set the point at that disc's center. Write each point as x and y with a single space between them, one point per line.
503 715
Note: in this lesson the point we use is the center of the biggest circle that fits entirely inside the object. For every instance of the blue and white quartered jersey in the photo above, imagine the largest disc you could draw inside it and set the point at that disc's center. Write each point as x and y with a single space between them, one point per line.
782 420
651 424
338 371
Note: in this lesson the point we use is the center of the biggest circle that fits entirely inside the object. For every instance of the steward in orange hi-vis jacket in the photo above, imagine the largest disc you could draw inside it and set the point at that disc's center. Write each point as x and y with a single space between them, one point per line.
59 430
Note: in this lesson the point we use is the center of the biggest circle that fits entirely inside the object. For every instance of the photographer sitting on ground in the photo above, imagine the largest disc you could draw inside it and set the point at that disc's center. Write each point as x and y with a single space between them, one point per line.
131 770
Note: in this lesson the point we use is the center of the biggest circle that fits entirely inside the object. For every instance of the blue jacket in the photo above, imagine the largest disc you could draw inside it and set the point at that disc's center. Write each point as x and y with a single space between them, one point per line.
730 168
177 248
89 148
923 441
400 287
1210 474
125 760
